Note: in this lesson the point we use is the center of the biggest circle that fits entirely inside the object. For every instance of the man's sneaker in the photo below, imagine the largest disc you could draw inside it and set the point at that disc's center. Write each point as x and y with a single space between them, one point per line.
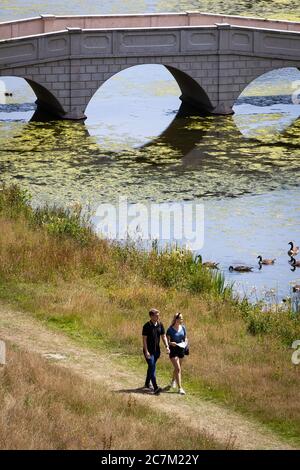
181 391
157 391
148 386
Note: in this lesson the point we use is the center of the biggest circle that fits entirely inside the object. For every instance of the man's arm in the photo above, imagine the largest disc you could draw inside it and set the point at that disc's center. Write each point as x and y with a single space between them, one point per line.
145 347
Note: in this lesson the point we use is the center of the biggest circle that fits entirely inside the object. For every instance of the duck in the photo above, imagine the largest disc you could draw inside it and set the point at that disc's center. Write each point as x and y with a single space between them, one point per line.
294 250
294 263
296 288
207 264
210 265
265 261
240 269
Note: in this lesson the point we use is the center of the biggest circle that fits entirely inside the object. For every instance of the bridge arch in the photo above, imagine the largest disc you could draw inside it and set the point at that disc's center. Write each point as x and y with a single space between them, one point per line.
257 73
195 99
267 91
48 102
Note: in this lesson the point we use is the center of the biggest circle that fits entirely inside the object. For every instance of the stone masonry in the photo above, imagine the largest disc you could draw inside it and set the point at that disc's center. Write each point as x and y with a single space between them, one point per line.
212 64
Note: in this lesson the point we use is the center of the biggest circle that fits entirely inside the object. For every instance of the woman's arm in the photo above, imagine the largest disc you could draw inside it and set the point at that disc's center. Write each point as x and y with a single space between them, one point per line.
185 336
171 343
166 343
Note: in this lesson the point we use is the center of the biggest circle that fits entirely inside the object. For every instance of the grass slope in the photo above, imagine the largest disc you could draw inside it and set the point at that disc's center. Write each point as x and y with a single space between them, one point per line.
52 266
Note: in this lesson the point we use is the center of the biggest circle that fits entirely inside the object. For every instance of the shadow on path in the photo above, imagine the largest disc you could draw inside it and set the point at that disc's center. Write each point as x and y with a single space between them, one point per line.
143 390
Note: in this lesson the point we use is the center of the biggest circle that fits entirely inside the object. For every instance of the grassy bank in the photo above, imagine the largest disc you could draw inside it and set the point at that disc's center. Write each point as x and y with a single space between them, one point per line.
46 407
54 267
279 9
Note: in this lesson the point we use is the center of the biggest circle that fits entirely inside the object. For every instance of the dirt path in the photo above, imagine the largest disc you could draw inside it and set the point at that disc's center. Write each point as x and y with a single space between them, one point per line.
224 425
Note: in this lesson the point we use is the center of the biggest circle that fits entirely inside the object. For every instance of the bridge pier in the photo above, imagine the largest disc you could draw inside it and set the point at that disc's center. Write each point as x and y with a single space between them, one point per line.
75 115
191 107
44 112
222 109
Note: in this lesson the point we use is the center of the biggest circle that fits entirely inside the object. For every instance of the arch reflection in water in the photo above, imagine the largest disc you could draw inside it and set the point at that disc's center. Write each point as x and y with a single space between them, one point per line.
194 157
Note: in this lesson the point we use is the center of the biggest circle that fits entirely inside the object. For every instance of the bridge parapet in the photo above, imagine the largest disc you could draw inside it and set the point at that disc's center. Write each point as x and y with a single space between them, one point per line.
222 38
52 23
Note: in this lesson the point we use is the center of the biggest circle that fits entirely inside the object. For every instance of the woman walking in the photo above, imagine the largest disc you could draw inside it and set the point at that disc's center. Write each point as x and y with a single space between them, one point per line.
177 339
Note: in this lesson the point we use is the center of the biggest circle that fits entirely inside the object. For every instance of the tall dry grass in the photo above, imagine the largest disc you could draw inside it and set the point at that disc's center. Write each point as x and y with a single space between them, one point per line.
46 407
78 250
87 286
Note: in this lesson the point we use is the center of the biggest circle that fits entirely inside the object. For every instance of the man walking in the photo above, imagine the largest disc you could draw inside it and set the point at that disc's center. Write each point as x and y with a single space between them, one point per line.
152 331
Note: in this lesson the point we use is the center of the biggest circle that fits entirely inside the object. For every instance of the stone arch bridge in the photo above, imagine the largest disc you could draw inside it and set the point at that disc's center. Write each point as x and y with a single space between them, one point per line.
213 58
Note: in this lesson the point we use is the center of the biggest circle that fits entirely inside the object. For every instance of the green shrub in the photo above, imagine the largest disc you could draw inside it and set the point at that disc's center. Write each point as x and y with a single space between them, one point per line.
14 201
62 222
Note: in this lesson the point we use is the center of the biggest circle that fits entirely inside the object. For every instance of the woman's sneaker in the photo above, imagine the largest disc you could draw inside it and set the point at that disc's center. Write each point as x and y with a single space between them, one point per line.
171 385
181 391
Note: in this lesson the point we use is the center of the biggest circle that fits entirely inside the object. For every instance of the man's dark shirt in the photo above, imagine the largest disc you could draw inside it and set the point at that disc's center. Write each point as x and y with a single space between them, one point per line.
153 334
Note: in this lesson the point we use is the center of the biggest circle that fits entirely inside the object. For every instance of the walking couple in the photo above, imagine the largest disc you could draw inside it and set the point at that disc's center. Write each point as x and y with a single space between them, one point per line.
175 341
